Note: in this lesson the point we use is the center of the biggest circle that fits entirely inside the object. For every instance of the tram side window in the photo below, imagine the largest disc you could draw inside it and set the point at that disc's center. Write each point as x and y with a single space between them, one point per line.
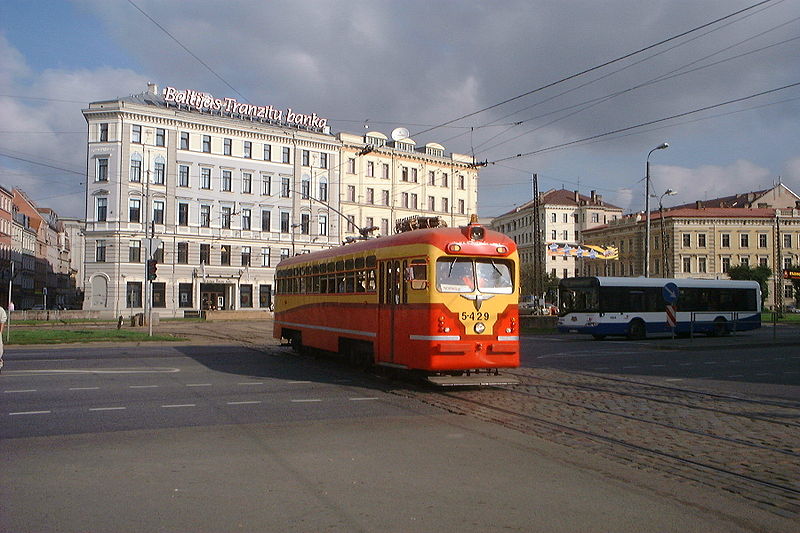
417 274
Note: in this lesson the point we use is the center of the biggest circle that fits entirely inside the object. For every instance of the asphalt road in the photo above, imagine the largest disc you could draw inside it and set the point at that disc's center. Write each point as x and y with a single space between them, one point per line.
227 438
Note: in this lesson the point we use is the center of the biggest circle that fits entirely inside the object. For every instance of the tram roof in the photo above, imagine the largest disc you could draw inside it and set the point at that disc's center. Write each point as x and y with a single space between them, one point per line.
439 237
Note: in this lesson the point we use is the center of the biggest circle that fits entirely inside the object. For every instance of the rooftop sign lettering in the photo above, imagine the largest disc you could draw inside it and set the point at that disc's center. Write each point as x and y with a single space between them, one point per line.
207 102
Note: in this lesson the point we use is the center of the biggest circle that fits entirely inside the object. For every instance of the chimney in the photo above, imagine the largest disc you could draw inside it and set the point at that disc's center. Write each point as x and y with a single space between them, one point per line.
797 204
577 197
594 196
152 88
698 204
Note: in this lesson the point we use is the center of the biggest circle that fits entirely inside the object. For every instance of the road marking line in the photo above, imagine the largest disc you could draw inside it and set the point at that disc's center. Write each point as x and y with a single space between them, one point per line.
735 376
362 399
143 387
244 403
107 408
657 366
84 388
30 413
307 400
198 384
298 382
172 406
254 383
673 379
709 362
100 371
20 390
764 374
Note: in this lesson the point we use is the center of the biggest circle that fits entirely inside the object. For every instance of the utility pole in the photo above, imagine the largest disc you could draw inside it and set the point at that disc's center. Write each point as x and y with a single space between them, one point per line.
538 248
777 272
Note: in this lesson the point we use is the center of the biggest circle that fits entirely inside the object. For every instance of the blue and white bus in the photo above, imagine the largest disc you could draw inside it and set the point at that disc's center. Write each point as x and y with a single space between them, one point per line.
636 307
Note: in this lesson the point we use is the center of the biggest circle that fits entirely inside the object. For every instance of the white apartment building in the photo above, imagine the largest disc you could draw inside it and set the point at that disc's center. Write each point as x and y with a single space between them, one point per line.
564 215
384 181
225 188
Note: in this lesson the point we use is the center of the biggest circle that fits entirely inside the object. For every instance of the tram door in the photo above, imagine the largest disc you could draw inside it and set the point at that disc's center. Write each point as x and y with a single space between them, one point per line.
391 289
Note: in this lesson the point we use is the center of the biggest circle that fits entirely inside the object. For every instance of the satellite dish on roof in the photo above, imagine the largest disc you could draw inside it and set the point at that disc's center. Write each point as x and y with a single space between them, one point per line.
398 134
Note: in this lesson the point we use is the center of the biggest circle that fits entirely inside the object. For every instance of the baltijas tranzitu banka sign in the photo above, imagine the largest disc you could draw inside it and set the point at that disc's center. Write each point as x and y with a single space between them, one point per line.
207 102
588 251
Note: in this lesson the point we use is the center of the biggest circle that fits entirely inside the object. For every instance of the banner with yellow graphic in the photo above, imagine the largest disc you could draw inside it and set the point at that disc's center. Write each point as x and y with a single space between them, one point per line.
588 251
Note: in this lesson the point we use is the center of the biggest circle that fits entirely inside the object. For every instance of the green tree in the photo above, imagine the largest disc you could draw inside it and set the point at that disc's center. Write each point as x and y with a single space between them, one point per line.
550 282
761 274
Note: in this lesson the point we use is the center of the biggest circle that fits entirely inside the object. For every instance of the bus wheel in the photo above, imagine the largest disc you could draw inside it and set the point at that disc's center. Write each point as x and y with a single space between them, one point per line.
637 330
296 342
598 337
720 328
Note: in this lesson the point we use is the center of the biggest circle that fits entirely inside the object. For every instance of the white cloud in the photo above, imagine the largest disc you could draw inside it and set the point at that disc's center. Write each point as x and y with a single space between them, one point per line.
709 181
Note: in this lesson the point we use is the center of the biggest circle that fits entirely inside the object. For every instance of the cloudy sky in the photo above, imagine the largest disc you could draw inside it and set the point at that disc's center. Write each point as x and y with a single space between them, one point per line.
725 96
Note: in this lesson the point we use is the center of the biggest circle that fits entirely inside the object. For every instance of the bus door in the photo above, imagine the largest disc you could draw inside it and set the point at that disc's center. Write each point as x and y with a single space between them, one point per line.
390 285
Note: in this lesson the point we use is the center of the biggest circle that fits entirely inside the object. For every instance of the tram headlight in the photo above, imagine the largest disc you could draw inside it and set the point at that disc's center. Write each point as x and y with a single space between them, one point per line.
480 327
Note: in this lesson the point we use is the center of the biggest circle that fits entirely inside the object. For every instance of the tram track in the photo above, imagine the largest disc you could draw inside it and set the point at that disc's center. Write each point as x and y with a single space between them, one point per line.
749 454
793 408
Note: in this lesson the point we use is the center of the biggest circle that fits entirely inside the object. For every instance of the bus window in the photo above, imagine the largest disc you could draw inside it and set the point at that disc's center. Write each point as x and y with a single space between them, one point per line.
494 276
454 274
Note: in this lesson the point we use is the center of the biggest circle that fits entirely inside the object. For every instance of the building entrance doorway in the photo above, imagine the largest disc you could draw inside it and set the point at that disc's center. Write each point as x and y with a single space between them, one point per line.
213 296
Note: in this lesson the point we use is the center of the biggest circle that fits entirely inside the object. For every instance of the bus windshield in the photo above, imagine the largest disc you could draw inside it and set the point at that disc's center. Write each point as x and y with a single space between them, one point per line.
458 274
579 300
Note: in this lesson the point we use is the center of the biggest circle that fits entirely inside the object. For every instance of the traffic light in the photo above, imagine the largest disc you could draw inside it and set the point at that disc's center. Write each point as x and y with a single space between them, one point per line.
151 269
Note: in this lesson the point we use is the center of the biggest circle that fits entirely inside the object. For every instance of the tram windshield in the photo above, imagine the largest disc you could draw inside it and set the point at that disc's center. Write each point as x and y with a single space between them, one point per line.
459 274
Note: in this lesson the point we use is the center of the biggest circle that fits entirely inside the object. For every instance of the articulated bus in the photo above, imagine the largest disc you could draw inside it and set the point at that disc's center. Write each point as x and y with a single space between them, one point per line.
441 302
636 307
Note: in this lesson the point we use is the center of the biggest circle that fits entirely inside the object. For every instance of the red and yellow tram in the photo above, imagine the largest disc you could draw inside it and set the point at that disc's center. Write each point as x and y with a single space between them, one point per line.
440 301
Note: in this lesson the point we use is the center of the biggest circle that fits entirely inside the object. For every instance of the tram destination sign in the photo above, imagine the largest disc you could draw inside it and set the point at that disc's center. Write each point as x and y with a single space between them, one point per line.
207 102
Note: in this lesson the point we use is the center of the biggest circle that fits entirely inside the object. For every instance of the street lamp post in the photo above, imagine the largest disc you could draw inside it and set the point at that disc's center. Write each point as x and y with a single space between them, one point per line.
661 146
668 192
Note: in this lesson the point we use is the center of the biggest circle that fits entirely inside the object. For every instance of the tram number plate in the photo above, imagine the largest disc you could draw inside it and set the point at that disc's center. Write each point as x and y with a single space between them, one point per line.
475 315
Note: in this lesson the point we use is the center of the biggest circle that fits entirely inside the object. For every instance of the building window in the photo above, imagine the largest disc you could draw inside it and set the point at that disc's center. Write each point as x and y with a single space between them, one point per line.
227 147
205 178
462 184
444 180
183 176
226 217
158 172
385 197
104 132
431 204
323 190
100 251
102 209
158 211
351 193
323 160
323 224
183 253
266 185
183 214
265 296
745 261
763 261
246 219
413 201
185 295
404 174
227 182
787 262
385 174
248 149
136 133
370 196
136 168
134 210
285 187
305 158
245 256
159 294
431 177
687 264
284 222
245 296
267 152
462 207
701 240
726 242
265 257
384 226
404 200
265 220
207 144
101 171
205 216
133 294
370 168
184 140
351 222
726 264
247 183
305 223
351 165
787 240
286 154
687 240
762 240
135 252
205 254
788 291
744 240
445 204
414 175
701 265
161 137
225 254
305 188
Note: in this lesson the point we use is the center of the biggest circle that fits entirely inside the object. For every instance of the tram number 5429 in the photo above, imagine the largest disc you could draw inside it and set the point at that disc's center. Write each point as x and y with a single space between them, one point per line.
475 315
